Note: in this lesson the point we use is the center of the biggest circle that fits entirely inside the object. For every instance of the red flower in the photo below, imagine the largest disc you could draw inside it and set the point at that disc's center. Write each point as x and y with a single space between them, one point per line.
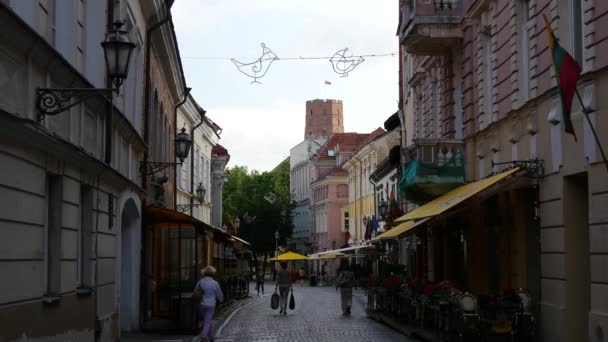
429 289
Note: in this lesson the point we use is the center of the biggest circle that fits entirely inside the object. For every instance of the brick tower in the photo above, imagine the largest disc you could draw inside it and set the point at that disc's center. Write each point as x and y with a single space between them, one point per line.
323 118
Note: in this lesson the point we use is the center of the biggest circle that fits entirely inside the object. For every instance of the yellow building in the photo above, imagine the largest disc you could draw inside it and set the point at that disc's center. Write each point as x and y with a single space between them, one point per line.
360 166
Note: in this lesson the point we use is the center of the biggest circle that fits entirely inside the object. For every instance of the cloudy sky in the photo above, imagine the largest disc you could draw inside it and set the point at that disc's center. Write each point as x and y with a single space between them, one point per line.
261 122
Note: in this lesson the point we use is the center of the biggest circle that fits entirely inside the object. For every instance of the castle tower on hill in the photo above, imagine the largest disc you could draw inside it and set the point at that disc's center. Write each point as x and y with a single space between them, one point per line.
323 118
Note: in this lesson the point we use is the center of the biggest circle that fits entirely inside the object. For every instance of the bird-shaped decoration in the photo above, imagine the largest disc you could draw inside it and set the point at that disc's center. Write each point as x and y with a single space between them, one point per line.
343 64
271 197
259 67
248 219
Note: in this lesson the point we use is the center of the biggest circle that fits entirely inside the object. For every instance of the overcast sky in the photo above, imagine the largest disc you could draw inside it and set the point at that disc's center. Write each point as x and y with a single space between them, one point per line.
261 122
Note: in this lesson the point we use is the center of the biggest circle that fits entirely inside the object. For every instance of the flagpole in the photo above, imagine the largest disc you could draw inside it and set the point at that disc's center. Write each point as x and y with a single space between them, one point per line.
587 111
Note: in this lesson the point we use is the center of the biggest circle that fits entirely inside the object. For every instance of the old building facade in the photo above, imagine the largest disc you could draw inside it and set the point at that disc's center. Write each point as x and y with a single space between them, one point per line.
70 182
477 79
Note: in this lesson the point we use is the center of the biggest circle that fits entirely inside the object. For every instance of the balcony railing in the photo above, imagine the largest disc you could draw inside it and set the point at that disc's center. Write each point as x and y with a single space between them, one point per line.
430 27
432 168
445 4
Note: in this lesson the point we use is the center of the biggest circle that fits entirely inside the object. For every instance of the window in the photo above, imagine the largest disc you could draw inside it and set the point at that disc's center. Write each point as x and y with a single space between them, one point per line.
46 20
346 221
152 137
487 85
435 106
197 164
54 220
80 34
179 176
576 29
86 224
523 57
207 176
419 126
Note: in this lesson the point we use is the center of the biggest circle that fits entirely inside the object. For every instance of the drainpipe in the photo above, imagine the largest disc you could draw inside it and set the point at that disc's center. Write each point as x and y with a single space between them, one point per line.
192 162
186 93
144 178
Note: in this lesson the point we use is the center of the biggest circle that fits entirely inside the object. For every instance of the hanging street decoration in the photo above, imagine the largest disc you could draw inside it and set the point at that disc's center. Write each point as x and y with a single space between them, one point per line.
248 219
258 68
271 197
343 63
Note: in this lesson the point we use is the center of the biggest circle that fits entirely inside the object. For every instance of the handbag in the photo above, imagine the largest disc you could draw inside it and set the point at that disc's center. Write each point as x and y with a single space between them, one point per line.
197 295
274 300
292 301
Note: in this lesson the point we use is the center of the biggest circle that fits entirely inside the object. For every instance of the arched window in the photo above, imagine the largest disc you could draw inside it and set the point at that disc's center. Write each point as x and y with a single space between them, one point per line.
160 139
154 119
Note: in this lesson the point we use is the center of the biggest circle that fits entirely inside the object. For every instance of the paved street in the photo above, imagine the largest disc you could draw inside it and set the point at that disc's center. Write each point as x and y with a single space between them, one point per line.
317 317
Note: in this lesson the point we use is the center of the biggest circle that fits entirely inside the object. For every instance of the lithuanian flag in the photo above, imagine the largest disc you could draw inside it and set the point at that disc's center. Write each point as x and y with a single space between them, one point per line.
567 72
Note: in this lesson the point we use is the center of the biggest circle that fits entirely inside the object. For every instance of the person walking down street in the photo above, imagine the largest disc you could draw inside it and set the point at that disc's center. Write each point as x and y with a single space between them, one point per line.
283 284
259 280
345 282
211 295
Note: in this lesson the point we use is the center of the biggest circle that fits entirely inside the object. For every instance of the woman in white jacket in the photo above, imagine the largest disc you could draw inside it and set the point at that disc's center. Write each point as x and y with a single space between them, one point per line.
211 295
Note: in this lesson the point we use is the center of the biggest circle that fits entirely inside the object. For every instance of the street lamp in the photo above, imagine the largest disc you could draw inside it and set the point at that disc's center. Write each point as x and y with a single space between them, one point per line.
276 241
200 196
117 50
383 208
200 192
183 141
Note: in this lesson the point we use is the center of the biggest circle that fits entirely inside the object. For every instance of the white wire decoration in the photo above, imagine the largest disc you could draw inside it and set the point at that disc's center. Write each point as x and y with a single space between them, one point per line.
248 219
271 198
258 68
343 63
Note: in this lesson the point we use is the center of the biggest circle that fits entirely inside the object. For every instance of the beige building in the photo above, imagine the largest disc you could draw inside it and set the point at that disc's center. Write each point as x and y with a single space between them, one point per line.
196 170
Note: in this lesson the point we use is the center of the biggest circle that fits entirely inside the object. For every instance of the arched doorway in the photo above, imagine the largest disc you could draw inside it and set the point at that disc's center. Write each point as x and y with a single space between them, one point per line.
130 259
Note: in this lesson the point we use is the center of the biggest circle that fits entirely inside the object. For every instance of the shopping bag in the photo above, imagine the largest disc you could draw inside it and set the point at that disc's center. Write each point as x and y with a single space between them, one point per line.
292 301
274 300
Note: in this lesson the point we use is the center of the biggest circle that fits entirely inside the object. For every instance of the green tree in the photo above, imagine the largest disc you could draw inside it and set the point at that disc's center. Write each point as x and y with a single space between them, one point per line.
248 194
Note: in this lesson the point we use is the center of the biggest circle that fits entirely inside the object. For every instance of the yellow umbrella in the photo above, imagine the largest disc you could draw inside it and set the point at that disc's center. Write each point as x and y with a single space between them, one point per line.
332 255
289 256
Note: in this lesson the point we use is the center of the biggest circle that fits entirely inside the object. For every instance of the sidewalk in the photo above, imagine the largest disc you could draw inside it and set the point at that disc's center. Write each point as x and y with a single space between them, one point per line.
220 316
406 329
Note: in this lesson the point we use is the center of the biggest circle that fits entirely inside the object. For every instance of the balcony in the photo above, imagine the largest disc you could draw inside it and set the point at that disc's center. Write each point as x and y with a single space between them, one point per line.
432 168
430 27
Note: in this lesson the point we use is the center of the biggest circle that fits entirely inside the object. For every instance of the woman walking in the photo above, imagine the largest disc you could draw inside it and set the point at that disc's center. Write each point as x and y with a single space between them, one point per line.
211 295
345 282
283 284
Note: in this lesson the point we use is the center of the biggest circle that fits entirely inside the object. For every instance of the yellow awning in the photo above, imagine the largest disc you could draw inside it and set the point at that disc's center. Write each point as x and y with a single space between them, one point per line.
454 197
399 230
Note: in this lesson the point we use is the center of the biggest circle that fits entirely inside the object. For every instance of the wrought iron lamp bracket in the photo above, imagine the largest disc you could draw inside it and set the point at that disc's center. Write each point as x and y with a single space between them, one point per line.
534 167
151 168
53 101
182 208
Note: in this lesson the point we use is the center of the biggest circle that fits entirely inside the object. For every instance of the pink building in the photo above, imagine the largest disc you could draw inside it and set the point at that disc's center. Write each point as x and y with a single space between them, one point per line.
329 187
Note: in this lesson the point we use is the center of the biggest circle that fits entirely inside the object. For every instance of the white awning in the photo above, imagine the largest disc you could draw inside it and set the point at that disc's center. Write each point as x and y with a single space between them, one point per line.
347 249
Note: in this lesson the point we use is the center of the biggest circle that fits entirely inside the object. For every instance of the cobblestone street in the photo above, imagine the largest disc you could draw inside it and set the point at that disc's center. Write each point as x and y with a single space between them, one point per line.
317 317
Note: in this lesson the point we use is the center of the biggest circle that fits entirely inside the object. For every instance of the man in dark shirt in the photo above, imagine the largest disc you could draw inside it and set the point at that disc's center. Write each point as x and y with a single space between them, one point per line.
284 284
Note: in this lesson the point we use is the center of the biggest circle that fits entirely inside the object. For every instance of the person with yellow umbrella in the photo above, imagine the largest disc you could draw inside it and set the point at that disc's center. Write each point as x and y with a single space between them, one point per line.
284 278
